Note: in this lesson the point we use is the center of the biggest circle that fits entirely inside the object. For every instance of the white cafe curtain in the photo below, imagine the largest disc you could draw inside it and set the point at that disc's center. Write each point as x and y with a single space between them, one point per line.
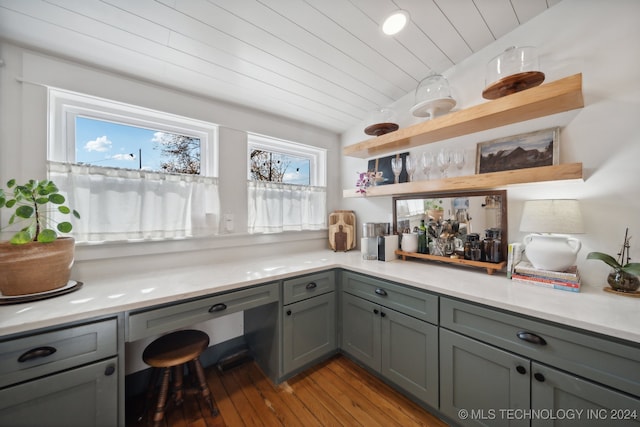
126 204
276 207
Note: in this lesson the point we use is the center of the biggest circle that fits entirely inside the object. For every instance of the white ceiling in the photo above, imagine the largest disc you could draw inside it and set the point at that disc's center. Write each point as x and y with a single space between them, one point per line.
323 62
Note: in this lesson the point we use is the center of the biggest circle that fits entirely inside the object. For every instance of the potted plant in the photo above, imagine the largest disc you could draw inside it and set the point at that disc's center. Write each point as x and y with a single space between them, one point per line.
623 278
434 209
35 259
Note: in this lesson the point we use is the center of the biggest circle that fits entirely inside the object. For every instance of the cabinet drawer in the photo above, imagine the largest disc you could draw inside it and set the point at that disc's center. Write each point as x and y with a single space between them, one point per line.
37 355
419 304
168 318
605 361
304 287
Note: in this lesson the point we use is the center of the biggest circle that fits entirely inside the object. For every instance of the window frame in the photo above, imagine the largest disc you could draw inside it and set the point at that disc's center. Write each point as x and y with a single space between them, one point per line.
317 156
65 106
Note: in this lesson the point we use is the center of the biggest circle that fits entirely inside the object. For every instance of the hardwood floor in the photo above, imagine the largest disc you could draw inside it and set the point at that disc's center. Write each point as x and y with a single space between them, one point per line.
335 393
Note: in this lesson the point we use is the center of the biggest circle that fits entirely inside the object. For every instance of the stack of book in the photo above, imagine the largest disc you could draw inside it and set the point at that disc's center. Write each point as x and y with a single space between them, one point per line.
568 280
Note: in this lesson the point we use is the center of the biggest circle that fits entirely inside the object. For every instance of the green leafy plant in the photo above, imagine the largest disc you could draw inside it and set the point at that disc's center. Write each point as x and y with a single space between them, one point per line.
433 204
629 268
32 203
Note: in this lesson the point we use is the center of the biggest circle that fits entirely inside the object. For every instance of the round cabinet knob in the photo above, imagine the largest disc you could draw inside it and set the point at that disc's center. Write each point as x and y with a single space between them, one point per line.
375 311
521 369
538 376
288 312
109 370
383 314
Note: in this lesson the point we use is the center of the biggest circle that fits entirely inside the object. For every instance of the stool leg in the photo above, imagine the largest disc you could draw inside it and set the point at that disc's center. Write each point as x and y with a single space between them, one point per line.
162 398
151 388
178 379
204 388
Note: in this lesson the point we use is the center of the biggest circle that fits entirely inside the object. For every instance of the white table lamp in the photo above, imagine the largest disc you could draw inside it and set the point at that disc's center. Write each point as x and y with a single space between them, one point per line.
554 250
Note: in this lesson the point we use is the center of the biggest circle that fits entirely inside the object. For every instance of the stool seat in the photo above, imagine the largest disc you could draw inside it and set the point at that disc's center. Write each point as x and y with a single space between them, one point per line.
169 355
175 348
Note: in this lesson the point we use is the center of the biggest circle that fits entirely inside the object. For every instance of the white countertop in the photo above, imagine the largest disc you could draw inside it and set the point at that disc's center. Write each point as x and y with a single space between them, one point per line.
591 309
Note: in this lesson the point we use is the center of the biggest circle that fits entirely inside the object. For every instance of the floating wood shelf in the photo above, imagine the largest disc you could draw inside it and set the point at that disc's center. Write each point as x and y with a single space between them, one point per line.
476 182
491 267
551 98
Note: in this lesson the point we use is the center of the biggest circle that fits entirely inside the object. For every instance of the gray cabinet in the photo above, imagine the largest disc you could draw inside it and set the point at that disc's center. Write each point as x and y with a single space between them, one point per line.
477 380
401 348
63 377
578 402
500 369
308 320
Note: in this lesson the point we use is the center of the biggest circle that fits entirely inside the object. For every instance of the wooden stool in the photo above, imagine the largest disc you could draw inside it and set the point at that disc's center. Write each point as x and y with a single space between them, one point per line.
170 353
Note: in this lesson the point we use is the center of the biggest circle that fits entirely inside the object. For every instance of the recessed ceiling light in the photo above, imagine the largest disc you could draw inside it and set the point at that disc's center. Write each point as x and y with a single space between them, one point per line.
395 22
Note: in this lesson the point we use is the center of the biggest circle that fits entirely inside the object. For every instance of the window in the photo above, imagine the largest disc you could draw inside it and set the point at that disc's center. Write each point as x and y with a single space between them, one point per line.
277 160
107 155
135 147
286 186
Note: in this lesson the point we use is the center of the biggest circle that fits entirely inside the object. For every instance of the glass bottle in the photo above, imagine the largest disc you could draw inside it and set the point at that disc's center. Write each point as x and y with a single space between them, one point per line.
492 245
422 238
472 247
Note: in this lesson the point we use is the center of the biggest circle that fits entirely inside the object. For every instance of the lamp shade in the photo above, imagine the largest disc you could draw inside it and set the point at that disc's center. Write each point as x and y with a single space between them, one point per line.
551 251
561 216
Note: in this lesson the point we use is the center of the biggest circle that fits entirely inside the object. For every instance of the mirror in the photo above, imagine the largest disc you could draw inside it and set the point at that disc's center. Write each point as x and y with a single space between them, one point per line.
453 216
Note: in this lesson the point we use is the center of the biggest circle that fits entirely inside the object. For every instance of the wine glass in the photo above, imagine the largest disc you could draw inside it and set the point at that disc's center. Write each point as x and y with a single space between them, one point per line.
396 167
427 162
444 160
458 158
410 165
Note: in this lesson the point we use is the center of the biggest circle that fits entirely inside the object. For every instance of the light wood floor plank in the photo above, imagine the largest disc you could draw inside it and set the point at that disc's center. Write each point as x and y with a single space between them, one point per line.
228 412
336 392
289 409
324 407
385 396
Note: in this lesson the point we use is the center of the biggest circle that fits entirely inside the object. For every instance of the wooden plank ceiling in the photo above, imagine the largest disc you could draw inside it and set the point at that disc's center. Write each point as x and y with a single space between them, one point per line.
323 62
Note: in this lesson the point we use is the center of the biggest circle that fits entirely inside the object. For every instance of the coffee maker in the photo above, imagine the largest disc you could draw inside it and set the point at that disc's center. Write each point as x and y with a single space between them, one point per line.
371 231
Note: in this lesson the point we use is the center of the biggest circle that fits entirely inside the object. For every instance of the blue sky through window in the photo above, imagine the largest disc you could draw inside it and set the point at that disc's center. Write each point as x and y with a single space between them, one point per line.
104 143
297 172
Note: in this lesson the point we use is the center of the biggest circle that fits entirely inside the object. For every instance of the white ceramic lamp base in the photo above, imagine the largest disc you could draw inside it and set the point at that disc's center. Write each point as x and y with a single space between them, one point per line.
551 251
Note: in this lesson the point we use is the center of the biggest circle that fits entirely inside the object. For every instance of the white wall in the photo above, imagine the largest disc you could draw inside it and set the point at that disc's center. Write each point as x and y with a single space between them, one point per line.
600 40
23 145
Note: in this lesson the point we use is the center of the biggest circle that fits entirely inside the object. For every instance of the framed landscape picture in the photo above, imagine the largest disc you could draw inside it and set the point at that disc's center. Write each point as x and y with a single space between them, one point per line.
527 150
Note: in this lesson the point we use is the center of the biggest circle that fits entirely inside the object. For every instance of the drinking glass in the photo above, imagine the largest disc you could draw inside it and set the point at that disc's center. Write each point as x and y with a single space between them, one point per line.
410 165
444 160
396 167
427 162
458 158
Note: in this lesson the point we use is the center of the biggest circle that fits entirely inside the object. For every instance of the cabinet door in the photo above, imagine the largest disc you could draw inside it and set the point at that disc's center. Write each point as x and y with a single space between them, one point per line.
361 330
81 397
309 330
478 382
410 354
574 401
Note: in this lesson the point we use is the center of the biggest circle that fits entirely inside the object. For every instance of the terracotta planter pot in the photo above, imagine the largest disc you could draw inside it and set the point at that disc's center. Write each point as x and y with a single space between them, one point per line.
436 214
35 267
